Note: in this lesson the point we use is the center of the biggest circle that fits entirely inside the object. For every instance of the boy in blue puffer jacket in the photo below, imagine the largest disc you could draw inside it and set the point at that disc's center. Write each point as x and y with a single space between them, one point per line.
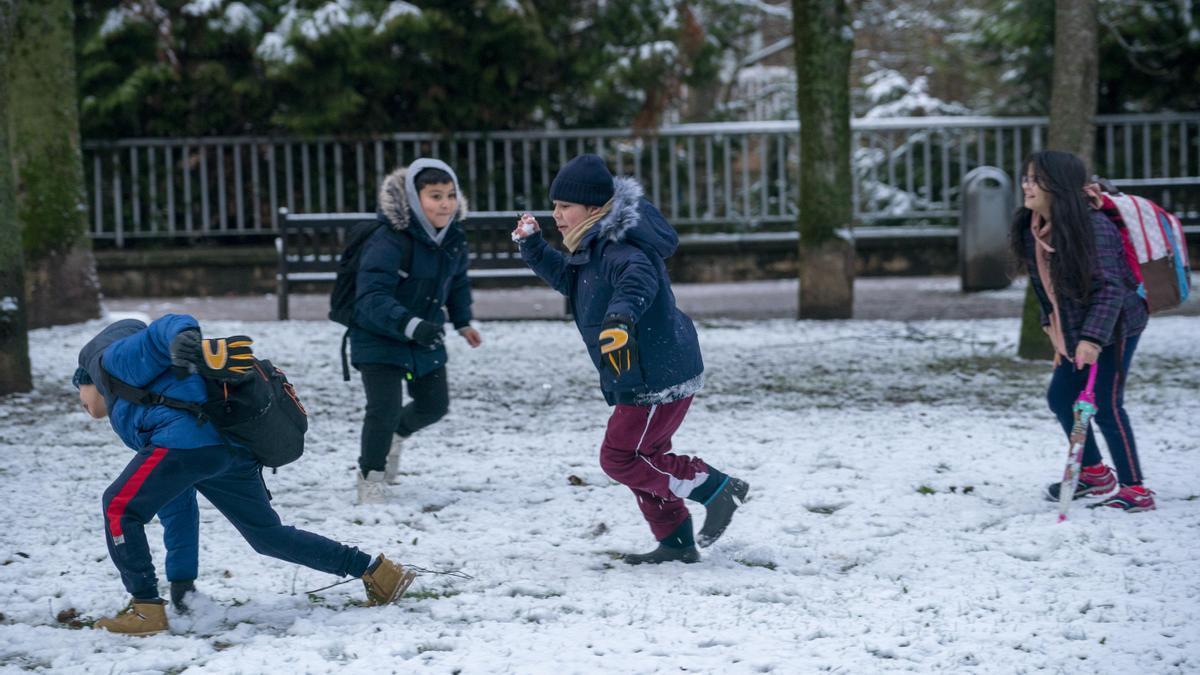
411 267
180 518
646 351
177 455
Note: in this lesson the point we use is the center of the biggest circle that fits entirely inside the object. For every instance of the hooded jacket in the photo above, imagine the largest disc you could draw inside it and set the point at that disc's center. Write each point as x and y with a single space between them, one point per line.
620 268
140 356
388 298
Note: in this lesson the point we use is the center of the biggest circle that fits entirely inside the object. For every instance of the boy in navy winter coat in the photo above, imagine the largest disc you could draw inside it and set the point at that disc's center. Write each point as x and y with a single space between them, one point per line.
411 267
644 349
177 455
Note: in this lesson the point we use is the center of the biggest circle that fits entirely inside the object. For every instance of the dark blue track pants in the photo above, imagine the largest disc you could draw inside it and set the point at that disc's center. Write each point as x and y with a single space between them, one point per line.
1067 383
232 481
181 535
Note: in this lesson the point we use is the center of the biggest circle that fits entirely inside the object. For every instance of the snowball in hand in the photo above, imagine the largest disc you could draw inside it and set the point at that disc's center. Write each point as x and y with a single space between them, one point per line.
526 226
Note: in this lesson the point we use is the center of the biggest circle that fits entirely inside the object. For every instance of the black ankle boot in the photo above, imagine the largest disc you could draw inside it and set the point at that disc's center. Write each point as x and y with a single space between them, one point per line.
179 590
719 510
664 554
679 546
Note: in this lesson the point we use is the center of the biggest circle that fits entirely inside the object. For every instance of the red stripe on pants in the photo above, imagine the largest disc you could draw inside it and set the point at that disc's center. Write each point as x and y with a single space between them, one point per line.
1130 459
116 508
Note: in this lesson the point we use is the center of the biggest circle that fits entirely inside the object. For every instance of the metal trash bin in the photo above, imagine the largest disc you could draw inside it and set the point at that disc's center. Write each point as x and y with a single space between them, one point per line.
983 229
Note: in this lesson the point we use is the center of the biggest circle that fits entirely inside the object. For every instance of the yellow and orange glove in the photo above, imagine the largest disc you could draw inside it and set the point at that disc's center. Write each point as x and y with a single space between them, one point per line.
618 348
227 358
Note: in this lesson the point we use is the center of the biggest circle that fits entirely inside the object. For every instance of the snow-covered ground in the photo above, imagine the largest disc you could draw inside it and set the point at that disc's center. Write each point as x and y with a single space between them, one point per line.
895 522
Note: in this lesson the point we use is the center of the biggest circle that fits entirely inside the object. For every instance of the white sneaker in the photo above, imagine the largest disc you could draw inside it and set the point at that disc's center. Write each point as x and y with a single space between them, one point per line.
372 489
392 469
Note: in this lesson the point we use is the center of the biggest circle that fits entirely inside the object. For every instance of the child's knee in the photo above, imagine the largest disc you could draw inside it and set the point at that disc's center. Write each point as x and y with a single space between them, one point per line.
382 416
614 462
430 412
608 466
437 412
263 546
1107 414
109 494
1058 404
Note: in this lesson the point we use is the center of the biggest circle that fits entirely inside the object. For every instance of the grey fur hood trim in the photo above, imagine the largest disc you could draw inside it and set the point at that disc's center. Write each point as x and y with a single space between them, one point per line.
635 221
627 196
393 199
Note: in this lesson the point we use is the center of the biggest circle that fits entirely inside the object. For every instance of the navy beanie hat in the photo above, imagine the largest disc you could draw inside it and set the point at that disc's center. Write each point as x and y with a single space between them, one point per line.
81 377
583 180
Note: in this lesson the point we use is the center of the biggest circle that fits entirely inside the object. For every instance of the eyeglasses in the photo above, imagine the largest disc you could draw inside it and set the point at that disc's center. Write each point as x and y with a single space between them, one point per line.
1028 180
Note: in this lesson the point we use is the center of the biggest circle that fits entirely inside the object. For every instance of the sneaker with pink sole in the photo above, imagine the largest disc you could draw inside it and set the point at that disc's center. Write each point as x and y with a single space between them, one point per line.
1093 480
1131 499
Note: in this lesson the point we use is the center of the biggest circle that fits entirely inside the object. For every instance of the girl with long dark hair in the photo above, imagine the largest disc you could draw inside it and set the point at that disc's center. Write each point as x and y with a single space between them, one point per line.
1091 311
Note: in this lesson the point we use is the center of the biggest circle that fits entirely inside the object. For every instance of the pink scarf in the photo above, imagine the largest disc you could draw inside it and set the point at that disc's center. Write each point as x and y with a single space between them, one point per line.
1042 252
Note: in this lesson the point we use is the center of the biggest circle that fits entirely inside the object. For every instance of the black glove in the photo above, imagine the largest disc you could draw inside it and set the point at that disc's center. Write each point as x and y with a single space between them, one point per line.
618 349
228 358
428 334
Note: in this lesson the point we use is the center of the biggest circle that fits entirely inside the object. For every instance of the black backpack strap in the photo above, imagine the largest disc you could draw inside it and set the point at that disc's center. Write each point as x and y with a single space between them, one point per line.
345 362
122 389
406 255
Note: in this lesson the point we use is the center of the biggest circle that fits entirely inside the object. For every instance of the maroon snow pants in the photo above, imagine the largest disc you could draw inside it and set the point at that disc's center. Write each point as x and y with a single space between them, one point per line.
637 453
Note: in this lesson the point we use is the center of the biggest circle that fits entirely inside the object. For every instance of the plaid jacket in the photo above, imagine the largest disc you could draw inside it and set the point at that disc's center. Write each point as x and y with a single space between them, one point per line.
1114 308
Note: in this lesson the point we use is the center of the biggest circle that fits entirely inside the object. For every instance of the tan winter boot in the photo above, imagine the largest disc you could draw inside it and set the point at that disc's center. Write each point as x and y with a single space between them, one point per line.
141 617
387 582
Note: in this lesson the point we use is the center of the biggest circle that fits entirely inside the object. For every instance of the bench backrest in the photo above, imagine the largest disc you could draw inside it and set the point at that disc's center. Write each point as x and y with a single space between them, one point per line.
312 242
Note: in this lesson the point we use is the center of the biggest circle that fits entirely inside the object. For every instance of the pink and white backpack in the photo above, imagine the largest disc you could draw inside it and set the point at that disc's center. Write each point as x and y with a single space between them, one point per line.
1155 246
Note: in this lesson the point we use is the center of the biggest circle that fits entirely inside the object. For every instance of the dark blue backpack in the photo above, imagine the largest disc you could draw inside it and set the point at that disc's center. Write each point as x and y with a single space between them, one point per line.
345 288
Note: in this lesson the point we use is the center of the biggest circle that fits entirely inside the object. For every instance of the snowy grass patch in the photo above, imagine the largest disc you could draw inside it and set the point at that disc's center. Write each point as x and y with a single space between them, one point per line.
894 522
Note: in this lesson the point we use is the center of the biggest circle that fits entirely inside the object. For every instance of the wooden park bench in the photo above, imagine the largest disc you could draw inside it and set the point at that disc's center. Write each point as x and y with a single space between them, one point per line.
309 245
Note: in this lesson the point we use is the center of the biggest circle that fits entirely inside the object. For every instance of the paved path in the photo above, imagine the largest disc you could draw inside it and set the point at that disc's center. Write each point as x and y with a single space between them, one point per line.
891 298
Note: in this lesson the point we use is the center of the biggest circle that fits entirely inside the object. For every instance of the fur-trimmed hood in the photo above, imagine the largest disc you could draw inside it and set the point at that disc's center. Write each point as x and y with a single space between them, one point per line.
636 221
393 196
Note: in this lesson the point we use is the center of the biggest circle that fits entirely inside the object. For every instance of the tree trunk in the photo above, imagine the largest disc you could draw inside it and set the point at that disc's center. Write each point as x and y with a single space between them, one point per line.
60 272
1034 343
14 342
823 44
1072 105
1075 86
827 279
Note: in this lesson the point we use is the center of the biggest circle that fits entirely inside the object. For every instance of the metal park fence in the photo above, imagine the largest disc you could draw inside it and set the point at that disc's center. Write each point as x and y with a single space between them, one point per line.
720 177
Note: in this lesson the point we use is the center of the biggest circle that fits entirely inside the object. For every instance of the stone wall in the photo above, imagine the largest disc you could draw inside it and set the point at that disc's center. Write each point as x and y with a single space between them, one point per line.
176 272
